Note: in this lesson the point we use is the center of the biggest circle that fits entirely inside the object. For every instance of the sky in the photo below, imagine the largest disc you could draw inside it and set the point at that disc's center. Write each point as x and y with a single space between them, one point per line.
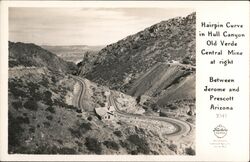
83 26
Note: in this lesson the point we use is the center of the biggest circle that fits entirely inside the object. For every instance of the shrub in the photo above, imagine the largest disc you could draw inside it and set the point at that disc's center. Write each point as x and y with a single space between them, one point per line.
59 141
71 107
172 107
23 120
51 109
190 151
15 131
79 110
49 117
173 147
37 96
89 118
53 79
32 86
141 143
46 124
93 145
32 129
118 133
31 105
17 104
44 82
111 145
47 95
82 129
85 126
17 92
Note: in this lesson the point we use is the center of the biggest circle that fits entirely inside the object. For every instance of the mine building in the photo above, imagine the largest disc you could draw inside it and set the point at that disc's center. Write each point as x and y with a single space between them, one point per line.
106 113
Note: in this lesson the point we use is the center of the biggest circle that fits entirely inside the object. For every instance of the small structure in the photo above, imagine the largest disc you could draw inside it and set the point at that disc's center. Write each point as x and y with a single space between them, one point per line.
106 113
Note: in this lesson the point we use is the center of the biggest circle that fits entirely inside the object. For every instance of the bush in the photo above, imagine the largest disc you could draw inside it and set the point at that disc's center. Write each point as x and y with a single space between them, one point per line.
51 109
49 117
89 118
23 120
46 96
46 124
44 82
15 131
17 92
33 86
111 145
53 79
93 145
31 105
17 104
190 151
32 129
82 129
141 143
118 133
173 147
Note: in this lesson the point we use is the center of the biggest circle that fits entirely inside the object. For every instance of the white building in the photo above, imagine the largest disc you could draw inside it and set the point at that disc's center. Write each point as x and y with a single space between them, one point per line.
106 113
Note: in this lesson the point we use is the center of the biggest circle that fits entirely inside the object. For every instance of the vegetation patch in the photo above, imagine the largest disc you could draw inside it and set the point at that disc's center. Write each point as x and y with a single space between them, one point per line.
141 143
49 117
46 149
93 145
111 145
15 132
173 147
23 120
190 151
81 129
51 109
46 124
17 105
31 105
118 133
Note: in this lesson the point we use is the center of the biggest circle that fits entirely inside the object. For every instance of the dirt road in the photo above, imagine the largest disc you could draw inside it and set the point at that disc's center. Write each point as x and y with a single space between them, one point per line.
182 128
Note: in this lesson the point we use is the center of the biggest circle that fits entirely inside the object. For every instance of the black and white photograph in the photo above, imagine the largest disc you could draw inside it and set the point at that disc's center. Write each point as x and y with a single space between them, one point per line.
102 81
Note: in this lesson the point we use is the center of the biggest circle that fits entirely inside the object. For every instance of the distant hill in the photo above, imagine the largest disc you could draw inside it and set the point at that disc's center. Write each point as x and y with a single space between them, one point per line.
28 54
74 53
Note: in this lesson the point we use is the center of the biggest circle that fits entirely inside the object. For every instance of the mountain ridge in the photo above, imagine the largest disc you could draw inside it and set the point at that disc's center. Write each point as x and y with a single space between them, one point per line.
30 54
132 56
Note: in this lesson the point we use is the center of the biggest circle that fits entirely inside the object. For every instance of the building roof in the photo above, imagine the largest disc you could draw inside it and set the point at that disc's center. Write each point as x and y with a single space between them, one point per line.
101 111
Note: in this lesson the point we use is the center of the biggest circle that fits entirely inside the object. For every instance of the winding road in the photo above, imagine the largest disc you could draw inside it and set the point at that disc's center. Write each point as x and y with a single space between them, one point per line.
78 102
182 128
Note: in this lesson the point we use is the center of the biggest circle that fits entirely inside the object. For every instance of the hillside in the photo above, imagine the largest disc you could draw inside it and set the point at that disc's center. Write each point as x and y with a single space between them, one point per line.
28 55
120 64
44 120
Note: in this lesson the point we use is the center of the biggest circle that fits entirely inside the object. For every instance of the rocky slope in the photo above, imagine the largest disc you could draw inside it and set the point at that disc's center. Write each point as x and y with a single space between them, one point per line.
157 65
28 55
120 64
